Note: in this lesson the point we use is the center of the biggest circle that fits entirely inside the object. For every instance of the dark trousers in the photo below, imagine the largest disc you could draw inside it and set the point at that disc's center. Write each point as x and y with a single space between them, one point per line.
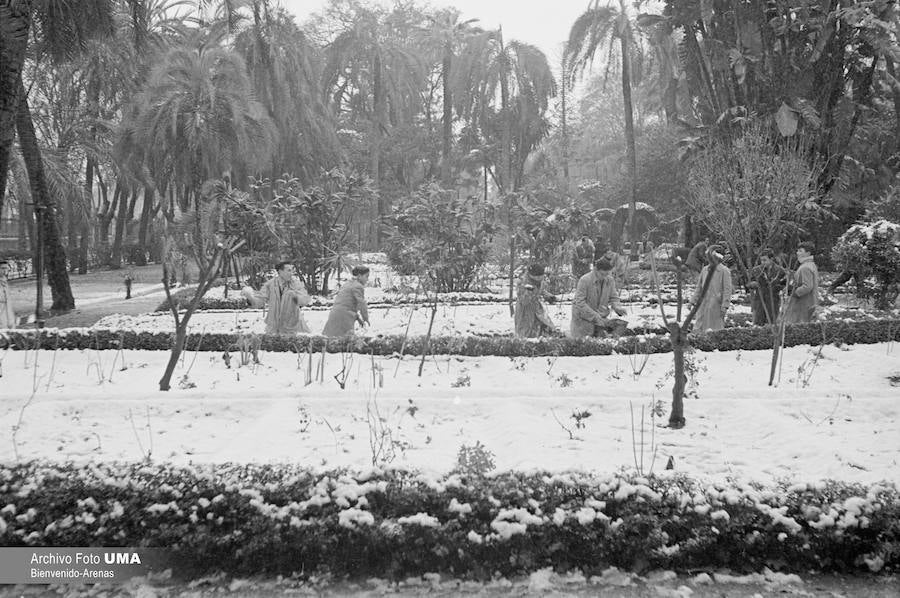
760 301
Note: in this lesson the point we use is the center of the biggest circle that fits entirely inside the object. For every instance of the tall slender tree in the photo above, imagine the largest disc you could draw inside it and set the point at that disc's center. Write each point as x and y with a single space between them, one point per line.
600 27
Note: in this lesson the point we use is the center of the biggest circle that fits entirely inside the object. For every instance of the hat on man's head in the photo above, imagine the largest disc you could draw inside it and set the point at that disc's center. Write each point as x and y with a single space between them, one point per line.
603 264
536 270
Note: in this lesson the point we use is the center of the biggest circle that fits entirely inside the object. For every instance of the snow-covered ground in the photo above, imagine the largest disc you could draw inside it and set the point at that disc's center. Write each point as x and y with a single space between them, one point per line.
832 416
489 319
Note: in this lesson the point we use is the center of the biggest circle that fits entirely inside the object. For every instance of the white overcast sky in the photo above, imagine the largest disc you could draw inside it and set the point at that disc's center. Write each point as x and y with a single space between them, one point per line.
543 23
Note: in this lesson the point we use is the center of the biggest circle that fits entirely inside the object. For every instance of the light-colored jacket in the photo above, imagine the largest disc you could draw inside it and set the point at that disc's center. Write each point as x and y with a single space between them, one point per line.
7 315
531 317
711 313
803 301
348 303
594 295
284 301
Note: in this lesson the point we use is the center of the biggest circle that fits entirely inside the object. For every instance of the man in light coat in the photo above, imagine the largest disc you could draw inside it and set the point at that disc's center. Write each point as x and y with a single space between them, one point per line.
595 294
717 300
804 298
349 305
531 317
285 295
7 315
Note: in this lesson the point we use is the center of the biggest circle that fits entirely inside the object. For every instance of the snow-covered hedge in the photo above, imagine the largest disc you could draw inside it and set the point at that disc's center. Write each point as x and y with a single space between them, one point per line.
284 519
746 338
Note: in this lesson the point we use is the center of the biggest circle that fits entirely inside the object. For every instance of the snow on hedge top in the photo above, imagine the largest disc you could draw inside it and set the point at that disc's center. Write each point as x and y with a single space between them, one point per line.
881 227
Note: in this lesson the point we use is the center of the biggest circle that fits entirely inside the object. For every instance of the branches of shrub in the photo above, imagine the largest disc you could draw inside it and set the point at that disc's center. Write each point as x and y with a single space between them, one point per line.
256 519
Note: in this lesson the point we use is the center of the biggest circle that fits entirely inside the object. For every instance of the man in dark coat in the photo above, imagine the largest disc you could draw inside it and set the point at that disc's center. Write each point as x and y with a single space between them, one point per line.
767 279
582 258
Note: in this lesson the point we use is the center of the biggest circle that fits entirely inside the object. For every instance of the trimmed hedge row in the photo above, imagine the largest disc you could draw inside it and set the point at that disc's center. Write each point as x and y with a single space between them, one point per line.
652 341
256 519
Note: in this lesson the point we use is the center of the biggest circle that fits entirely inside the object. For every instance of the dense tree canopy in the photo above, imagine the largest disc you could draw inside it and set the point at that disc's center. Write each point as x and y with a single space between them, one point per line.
136 104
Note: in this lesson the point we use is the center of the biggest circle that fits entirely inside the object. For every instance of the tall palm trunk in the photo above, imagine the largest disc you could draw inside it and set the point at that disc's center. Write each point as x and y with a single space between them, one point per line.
448 115
377 124
564 123
115 260
55 254
146 209
15 16
506 160
104 219
630 154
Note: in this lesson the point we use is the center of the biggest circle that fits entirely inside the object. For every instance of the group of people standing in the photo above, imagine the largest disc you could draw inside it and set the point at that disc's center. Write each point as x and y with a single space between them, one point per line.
596 294
285 294
596 297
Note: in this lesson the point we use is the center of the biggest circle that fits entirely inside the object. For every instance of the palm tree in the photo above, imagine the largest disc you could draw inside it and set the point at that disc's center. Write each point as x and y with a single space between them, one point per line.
368 66
600 27
520 75
62 29
450 35
286 71
198 115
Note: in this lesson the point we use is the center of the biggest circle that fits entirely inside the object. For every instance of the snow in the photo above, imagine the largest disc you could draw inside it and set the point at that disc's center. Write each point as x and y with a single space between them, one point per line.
838 420
486 319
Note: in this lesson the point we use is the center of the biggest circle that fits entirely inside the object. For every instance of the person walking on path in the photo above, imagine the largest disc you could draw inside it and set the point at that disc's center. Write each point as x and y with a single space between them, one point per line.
285 295
531 317
583 258
804 297
349 305
595 294
7 314
715 304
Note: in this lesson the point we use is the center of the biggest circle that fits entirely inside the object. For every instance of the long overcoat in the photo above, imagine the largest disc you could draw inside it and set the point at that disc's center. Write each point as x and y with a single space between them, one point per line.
348 303
7 315
531 317
805 298
284 300
594 295
711 313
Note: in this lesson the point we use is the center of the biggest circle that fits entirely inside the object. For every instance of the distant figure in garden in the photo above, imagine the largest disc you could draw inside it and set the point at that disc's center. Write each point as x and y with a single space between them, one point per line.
531 316
715 304
349 305
583 258
595 294
7 315
603 250
767 279
804 297
285 295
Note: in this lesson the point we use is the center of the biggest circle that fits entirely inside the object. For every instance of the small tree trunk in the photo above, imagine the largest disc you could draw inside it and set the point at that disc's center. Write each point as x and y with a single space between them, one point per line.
679 344
177 348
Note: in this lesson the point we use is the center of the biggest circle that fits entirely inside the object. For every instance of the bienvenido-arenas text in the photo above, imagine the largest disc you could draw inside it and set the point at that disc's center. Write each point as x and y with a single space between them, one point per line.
72 574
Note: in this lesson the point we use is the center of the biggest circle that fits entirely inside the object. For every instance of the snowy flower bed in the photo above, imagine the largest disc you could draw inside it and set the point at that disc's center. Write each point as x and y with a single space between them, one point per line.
272 519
